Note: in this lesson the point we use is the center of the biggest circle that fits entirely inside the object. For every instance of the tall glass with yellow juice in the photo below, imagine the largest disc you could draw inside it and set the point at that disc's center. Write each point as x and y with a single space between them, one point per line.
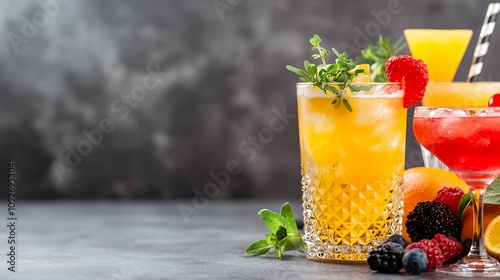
441 49
352 169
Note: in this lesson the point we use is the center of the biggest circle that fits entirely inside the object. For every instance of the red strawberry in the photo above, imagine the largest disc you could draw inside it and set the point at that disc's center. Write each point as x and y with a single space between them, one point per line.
494 100
450 197
413 73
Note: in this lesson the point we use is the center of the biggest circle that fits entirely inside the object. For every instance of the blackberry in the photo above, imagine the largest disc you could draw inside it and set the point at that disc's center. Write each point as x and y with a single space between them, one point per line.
467 244
396 238
415 261
386 258
430 218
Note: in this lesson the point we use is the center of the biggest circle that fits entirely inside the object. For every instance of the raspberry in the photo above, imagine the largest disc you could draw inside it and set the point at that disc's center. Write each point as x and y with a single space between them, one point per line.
494 100
413 73
431 249
415 261
386 258
449 246
429 218
397 238
450 197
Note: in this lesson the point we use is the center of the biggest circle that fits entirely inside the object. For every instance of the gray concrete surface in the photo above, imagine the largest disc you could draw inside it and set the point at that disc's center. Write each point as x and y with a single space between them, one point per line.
151 240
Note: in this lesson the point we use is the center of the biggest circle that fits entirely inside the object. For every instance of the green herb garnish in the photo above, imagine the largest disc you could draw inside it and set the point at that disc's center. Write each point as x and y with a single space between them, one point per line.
342 71
465 201
377 55
284 233
491 196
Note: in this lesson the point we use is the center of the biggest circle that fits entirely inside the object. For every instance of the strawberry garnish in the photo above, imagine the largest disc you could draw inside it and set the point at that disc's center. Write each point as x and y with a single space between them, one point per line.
494 101
413 73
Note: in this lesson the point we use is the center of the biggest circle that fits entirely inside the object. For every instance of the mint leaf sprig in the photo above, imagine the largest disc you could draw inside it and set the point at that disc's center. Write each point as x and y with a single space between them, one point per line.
491 196
342 71
377 55
284 233
465 201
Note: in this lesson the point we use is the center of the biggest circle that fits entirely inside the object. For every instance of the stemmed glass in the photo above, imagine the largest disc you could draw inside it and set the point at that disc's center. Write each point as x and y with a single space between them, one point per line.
467 140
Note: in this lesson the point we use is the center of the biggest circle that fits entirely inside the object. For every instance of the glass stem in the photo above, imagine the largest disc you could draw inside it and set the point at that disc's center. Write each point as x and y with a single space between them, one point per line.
477 249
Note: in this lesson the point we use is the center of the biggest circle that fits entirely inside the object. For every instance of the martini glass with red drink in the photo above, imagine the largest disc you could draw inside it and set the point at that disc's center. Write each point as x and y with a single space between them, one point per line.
467 140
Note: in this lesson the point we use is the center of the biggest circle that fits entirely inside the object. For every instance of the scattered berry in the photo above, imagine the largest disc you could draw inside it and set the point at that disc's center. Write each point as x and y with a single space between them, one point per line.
450 196
434 255
413 73
449 246
386 258
494 100
397 238
415 261
430 218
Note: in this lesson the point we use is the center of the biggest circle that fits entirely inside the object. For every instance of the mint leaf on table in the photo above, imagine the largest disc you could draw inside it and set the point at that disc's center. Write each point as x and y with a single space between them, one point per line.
287 214
259 247
284 233
492 195
281 233
294 237
272 219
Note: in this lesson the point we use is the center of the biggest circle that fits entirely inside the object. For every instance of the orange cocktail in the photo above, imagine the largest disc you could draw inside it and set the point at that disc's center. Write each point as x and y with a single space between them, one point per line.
441 49
352 168
459 93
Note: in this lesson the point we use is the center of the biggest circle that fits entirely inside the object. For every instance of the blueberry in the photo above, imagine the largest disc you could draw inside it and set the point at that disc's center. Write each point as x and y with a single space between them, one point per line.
396 238
415 261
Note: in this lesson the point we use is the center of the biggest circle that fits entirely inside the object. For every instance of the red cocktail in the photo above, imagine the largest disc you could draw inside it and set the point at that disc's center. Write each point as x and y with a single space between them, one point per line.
467 140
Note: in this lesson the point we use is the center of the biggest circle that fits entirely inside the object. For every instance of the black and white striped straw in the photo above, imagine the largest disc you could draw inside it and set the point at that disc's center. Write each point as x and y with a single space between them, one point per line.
483 42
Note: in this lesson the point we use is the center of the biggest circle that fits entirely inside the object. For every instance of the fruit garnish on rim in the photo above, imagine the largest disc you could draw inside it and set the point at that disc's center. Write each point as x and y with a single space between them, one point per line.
343 71
494 101
414 75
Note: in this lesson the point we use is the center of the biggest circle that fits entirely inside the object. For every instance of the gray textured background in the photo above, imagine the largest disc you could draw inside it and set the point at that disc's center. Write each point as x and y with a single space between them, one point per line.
224 76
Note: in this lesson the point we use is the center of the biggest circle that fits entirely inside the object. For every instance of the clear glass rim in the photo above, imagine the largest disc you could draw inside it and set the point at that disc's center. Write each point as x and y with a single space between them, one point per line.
431 108
436 29
314 91
425 111
354 83
462 83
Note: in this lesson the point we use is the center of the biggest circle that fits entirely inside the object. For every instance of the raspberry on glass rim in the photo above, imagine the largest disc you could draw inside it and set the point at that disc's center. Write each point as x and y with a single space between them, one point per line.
412 72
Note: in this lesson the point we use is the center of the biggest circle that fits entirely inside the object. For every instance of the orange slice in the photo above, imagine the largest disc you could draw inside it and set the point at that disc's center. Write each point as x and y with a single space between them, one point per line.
364 77
492 238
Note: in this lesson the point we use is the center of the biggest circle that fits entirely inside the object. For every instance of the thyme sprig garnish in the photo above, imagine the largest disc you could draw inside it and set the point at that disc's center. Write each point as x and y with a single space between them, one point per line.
343 71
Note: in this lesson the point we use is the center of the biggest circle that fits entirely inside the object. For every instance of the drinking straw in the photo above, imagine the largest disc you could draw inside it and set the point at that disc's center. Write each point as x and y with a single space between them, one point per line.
483 42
